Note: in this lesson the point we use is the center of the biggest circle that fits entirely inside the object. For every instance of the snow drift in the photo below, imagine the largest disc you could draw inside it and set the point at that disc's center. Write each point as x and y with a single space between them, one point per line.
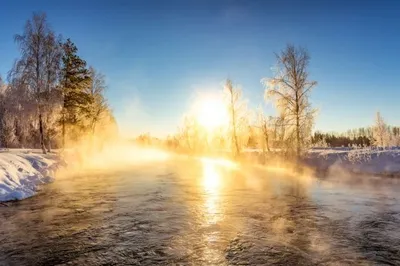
21 172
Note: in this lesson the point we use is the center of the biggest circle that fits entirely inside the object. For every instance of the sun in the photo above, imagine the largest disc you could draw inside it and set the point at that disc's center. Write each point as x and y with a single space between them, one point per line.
211 112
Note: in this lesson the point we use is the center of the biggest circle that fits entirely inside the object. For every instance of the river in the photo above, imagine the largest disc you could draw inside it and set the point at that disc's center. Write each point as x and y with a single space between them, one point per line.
204 212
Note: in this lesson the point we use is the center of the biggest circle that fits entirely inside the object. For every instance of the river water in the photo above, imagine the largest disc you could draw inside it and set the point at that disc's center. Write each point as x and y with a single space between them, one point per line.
204 212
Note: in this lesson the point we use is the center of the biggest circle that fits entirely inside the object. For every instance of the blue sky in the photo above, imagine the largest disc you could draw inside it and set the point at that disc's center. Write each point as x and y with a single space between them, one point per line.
158 54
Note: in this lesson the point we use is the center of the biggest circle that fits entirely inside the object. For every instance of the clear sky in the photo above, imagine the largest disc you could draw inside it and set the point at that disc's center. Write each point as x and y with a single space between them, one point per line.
158 54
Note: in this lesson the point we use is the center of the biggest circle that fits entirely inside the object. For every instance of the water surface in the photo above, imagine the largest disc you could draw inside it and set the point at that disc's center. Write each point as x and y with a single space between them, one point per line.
203 212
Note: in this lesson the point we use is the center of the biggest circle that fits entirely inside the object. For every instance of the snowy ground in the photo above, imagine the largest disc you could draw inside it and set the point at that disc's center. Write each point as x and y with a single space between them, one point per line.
370 161
22 171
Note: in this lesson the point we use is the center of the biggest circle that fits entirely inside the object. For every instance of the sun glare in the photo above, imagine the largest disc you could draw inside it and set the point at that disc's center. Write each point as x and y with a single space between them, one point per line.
211 113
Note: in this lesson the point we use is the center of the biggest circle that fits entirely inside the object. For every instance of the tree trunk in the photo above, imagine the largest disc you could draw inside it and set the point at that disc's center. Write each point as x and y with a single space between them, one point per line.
49 145
236 141
267 143
234 126
298 135
63 129
266 134
263 152
46 130
41 133
298 147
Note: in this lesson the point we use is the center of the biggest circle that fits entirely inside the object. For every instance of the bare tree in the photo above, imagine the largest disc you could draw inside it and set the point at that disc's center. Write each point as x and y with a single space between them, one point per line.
52 95
99 106
290 88
236 110
189 134
31 67
263 124
7 137
20 103
6 121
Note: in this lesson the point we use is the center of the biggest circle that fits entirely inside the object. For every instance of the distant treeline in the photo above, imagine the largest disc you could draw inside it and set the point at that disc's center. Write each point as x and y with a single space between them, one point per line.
360 137
363 136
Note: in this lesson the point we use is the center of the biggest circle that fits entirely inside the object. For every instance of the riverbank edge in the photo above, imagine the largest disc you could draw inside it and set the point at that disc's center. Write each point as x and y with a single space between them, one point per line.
24 171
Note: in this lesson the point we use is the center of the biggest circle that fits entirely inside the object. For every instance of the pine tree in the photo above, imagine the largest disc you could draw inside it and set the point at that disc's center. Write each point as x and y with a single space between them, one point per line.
75 82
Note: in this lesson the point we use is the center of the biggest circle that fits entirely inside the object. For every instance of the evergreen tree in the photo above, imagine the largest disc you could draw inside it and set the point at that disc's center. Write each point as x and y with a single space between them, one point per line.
75 82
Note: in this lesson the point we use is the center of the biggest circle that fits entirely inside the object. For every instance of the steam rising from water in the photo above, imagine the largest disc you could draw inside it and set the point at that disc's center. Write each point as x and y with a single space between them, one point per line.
117 157
230 213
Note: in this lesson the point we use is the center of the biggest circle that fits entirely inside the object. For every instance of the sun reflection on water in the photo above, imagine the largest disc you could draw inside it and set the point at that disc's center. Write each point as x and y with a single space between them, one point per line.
211 177
212 181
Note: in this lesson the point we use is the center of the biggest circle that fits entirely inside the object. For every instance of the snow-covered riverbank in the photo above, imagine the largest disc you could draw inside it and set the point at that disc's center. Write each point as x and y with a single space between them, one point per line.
365 161
368 161
22 171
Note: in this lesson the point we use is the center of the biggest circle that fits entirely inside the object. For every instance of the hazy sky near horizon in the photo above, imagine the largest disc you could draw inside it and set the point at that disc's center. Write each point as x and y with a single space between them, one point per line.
157 55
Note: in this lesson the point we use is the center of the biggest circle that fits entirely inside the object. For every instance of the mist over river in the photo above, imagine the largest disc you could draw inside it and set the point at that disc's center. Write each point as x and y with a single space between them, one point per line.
203 212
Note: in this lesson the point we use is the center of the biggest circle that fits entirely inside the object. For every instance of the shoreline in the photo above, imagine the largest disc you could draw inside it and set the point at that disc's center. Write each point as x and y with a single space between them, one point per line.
23 171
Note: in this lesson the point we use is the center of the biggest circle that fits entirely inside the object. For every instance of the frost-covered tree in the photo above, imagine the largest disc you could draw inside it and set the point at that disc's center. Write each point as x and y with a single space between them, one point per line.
52 93
290 88
282 134
20 103
6 121
380 132
98 106
189 134
50 86
238 121
37 67
395 140
218 140
263 124
7 137
252 137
